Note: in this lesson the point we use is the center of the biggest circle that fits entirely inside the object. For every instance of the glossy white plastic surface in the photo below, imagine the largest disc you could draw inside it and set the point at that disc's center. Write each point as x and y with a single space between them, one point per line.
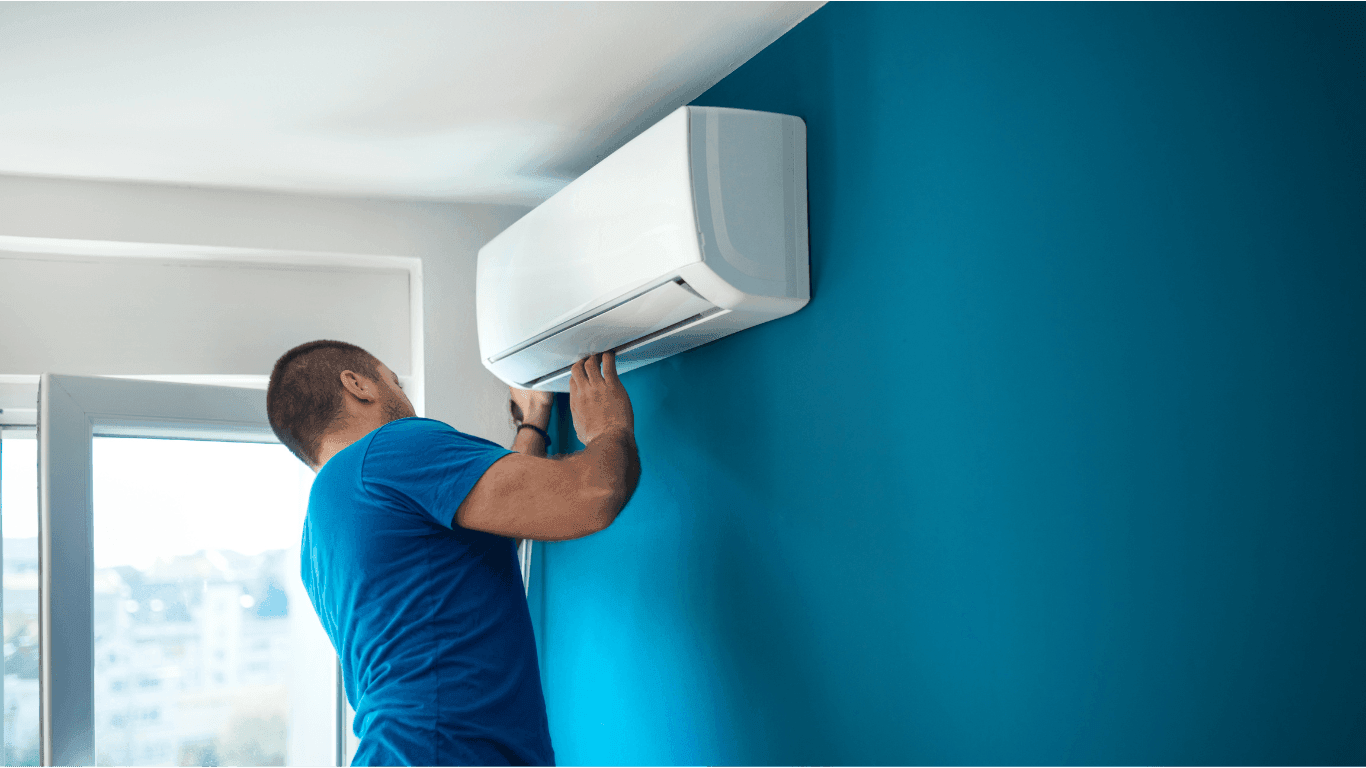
711 198
626 221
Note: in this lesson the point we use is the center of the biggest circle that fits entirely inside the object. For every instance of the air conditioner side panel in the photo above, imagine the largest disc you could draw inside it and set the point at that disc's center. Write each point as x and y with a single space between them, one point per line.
749 188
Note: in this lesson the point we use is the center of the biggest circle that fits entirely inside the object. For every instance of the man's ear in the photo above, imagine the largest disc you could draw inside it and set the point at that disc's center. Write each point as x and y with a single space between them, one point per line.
359 387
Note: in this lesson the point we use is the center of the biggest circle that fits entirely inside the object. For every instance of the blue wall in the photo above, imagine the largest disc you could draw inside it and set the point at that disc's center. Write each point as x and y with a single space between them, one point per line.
1064 462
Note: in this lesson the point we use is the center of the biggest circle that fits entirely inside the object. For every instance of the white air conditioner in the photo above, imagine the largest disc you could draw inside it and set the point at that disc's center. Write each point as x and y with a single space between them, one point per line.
693 230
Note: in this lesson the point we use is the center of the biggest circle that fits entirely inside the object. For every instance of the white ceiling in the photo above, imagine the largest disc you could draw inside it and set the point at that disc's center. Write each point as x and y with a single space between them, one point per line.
495 102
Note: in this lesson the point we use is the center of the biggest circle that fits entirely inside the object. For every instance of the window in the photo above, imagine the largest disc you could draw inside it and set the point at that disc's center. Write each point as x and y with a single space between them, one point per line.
179 561
19 510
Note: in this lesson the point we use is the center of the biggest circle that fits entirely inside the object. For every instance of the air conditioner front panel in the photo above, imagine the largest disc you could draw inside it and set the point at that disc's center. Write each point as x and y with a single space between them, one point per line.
655 310
620 226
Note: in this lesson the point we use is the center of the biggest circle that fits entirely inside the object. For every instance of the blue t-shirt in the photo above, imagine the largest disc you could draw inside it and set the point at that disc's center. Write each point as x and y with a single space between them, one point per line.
429 619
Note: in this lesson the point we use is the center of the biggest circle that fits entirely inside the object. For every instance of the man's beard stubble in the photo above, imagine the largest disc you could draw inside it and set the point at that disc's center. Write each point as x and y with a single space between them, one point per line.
394 410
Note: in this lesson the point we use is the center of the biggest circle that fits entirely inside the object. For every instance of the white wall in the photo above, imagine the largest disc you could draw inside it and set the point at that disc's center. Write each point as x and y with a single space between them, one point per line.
445 236
141 315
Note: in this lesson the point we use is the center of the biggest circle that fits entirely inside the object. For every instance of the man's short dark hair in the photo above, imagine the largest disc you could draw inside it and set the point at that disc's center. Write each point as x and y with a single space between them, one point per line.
304 398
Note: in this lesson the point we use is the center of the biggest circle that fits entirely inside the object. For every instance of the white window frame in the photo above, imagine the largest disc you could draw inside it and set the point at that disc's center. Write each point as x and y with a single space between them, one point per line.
18 391
72 410
18 395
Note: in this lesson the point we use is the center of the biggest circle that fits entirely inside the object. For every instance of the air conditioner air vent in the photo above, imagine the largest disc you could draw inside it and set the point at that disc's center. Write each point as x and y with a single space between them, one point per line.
659 310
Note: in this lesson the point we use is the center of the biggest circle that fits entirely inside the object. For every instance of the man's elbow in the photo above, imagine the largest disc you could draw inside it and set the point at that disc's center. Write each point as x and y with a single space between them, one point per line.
608 485
602 505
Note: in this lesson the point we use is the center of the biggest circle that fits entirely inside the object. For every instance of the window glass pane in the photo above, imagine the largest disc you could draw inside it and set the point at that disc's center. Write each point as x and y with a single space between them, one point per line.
19 510
207 651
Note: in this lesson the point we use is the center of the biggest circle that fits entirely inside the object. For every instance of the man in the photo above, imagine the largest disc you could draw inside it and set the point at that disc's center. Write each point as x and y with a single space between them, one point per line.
408 553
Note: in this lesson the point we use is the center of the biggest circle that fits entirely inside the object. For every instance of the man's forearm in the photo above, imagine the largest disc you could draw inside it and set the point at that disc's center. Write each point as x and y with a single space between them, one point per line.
610 469
599 479
529 441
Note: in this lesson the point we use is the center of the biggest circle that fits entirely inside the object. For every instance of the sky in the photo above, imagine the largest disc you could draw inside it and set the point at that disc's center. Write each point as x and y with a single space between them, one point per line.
161 498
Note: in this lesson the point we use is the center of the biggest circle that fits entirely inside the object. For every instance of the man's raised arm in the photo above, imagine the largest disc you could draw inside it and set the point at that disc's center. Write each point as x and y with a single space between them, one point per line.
528 497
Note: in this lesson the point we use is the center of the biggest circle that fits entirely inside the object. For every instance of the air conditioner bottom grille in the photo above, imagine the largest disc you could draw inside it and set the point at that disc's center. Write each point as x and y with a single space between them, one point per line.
679 337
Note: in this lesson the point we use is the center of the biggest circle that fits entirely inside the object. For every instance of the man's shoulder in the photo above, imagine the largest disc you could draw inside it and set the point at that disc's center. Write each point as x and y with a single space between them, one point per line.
414 424
396 437
405 445
407 433
416 431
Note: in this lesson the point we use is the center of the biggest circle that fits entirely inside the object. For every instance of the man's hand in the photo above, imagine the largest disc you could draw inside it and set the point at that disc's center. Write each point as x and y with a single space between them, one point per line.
598 400
530 406
526 496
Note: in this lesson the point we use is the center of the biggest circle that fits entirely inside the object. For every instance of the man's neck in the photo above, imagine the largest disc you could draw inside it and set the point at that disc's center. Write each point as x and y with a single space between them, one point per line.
338 440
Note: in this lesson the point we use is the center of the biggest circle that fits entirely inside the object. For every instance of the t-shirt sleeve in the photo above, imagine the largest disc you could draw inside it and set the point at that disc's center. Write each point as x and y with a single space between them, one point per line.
428 465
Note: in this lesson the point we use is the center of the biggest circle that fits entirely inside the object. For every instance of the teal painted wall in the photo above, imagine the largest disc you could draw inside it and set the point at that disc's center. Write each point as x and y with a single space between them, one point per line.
1064 461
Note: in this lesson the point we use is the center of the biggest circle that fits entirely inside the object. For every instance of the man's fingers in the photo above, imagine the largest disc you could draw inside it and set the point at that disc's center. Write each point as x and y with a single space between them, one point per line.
593 369
609 368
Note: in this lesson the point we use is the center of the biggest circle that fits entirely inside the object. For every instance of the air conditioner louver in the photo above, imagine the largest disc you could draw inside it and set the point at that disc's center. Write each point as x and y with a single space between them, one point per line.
655 310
